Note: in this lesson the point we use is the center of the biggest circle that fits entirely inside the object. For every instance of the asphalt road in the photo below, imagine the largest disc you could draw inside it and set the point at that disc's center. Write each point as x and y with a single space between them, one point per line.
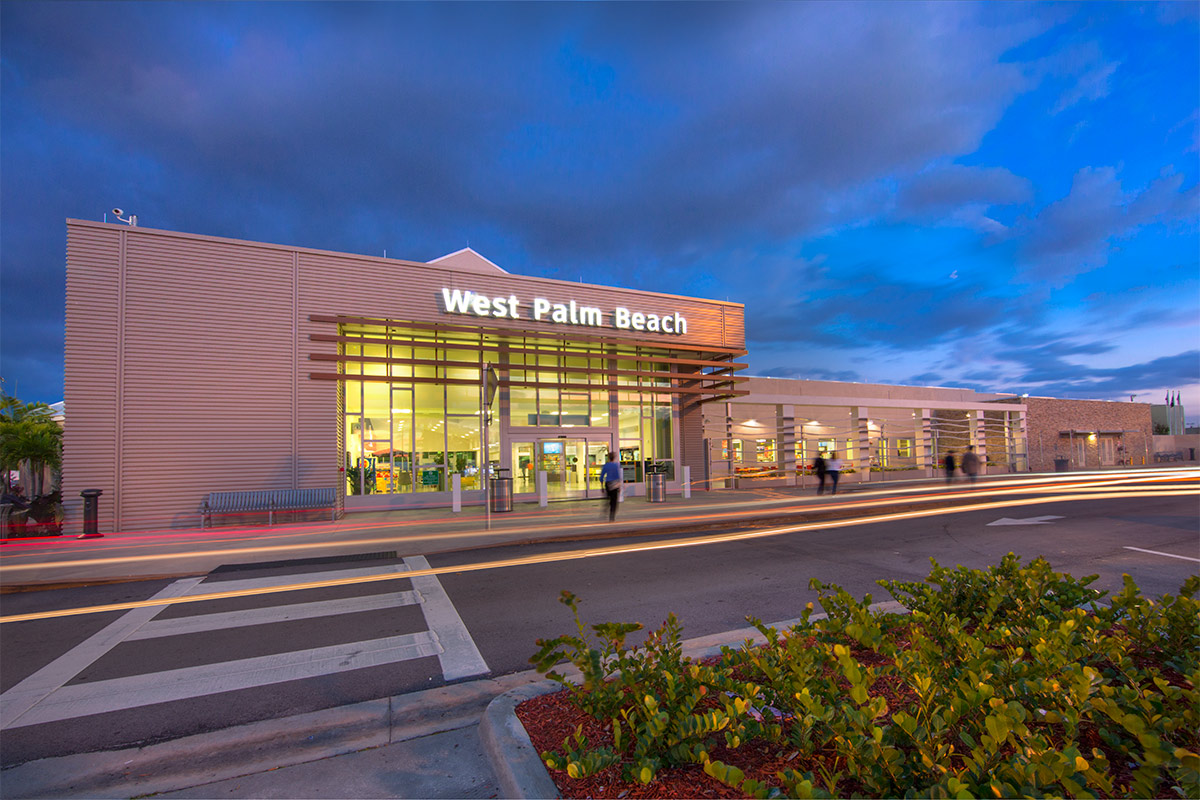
102 681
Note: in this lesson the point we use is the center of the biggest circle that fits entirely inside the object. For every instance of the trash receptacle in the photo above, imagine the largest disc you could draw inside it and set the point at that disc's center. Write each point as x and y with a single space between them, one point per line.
656 486
1061 464
91 514
500 491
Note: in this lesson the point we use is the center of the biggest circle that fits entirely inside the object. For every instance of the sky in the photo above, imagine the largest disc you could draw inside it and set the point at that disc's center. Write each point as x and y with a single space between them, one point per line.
998 196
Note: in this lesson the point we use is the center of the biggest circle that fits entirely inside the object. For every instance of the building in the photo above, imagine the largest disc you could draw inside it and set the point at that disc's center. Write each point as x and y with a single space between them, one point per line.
1086 434
879 431
197 364
1168 419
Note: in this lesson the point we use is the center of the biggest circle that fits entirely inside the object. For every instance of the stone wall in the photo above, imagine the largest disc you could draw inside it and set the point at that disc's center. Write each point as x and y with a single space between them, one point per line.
1085 434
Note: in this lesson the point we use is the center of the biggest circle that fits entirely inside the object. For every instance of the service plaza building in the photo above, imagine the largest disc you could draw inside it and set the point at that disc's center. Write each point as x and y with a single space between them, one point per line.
196 364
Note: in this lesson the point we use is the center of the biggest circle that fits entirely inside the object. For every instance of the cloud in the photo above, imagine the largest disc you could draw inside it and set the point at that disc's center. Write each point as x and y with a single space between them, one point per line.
1073 235
1108 383
949 186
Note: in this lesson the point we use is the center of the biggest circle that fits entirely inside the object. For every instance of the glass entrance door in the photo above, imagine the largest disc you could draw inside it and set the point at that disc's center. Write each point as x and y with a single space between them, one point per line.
572 466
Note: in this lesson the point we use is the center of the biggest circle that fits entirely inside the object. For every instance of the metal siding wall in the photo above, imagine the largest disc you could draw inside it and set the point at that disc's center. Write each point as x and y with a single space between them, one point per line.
318 444
216 343
90 372
691 442
400 290
209 371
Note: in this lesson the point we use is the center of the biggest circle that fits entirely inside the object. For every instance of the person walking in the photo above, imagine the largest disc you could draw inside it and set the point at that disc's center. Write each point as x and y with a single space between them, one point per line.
819 470
610 476
970 463
949 464
834 468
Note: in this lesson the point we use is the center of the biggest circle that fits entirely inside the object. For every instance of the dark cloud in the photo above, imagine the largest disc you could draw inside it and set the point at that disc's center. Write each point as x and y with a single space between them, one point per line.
689 148
1073 235
1178 370
960 195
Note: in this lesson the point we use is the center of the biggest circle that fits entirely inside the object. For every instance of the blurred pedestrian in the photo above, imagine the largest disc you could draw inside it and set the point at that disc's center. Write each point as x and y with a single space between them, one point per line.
970 463
834 468
610 476
949 464
819 470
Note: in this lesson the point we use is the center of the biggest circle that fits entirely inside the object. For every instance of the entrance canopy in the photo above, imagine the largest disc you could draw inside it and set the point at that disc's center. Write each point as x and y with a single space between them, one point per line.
383 350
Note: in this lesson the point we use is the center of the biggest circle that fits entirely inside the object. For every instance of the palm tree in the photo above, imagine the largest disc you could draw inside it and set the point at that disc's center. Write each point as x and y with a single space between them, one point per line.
28 436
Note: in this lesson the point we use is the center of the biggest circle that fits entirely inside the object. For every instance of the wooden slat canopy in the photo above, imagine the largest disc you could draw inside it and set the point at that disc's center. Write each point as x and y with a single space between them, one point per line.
710 376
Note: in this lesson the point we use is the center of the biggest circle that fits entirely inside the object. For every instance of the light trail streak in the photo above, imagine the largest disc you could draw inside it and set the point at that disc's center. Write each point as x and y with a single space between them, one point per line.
707 518
575 555
923 493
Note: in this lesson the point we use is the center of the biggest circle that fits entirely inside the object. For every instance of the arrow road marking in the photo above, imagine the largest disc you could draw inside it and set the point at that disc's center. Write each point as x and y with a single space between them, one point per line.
1025 521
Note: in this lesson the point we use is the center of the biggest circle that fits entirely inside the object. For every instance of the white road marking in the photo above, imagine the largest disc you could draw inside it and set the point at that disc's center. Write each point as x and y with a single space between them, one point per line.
98 697
34 689
460 658
1026 521
264 616
1168 555
45 697
286 580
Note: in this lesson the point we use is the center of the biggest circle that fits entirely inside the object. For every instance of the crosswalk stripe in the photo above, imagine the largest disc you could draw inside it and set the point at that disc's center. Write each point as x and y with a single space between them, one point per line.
460 658
133 691
264 616
29 692
271 581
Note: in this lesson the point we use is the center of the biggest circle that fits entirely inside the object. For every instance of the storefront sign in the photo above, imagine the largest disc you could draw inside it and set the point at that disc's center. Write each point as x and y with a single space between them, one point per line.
458 301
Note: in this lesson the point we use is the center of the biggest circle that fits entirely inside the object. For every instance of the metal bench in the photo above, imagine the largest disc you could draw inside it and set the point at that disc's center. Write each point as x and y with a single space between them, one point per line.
269 500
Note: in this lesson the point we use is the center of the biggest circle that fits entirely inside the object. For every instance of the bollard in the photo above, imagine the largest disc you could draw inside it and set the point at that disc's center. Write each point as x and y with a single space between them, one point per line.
543 495
687 482
91 514
456 493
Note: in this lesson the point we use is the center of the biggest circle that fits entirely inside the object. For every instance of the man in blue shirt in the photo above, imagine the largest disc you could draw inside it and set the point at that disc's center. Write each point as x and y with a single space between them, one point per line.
610 476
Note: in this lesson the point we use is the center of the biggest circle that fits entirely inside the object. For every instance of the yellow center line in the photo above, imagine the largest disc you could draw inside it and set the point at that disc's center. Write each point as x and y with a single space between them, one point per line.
575 555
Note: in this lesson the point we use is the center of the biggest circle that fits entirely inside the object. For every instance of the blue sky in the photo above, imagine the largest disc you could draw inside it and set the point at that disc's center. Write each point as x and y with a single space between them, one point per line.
996 196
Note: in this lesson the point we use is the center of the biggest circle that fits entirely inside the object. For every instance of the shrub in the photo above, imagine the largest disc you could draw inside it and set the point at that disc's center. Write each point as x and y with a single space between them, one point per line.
1010 681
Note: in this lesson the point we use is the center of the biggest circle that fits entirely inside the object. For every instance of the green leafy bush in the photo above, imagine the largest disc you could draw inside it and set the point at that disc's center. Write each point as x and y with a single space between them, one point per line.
1005 682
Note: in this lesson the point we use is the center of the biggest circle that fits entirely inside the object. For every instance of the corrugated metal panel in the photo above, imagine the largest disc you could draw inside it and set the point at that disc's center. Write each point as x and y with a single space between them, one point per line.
691 441
209 371
90 381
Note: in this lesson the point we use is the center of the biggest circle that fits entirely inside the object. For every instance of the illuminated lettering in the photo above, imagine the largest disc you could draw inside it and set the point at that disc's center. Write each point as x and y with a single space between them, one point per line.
462 301
456 302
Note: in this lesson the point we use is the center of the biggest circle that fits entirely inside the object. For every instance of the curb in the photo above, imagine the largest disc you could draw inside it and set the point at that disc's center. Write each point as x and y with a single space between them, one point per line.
515 761
258 747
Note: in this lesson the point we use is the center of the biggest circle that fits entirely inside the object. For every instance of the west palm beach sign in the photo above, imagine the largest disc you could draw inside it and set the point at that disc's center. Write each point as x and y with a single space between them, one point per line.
458 301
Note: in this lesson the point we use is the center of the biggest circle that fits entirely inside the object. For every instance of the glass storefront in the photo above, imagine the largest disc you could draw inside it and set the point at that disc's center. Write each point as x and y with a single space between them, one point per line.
412 412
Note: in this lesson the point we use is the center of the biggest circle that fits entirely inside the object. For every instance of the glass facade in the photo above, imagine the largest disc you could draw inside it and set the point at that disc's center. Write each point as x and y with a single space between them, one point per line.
412 411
